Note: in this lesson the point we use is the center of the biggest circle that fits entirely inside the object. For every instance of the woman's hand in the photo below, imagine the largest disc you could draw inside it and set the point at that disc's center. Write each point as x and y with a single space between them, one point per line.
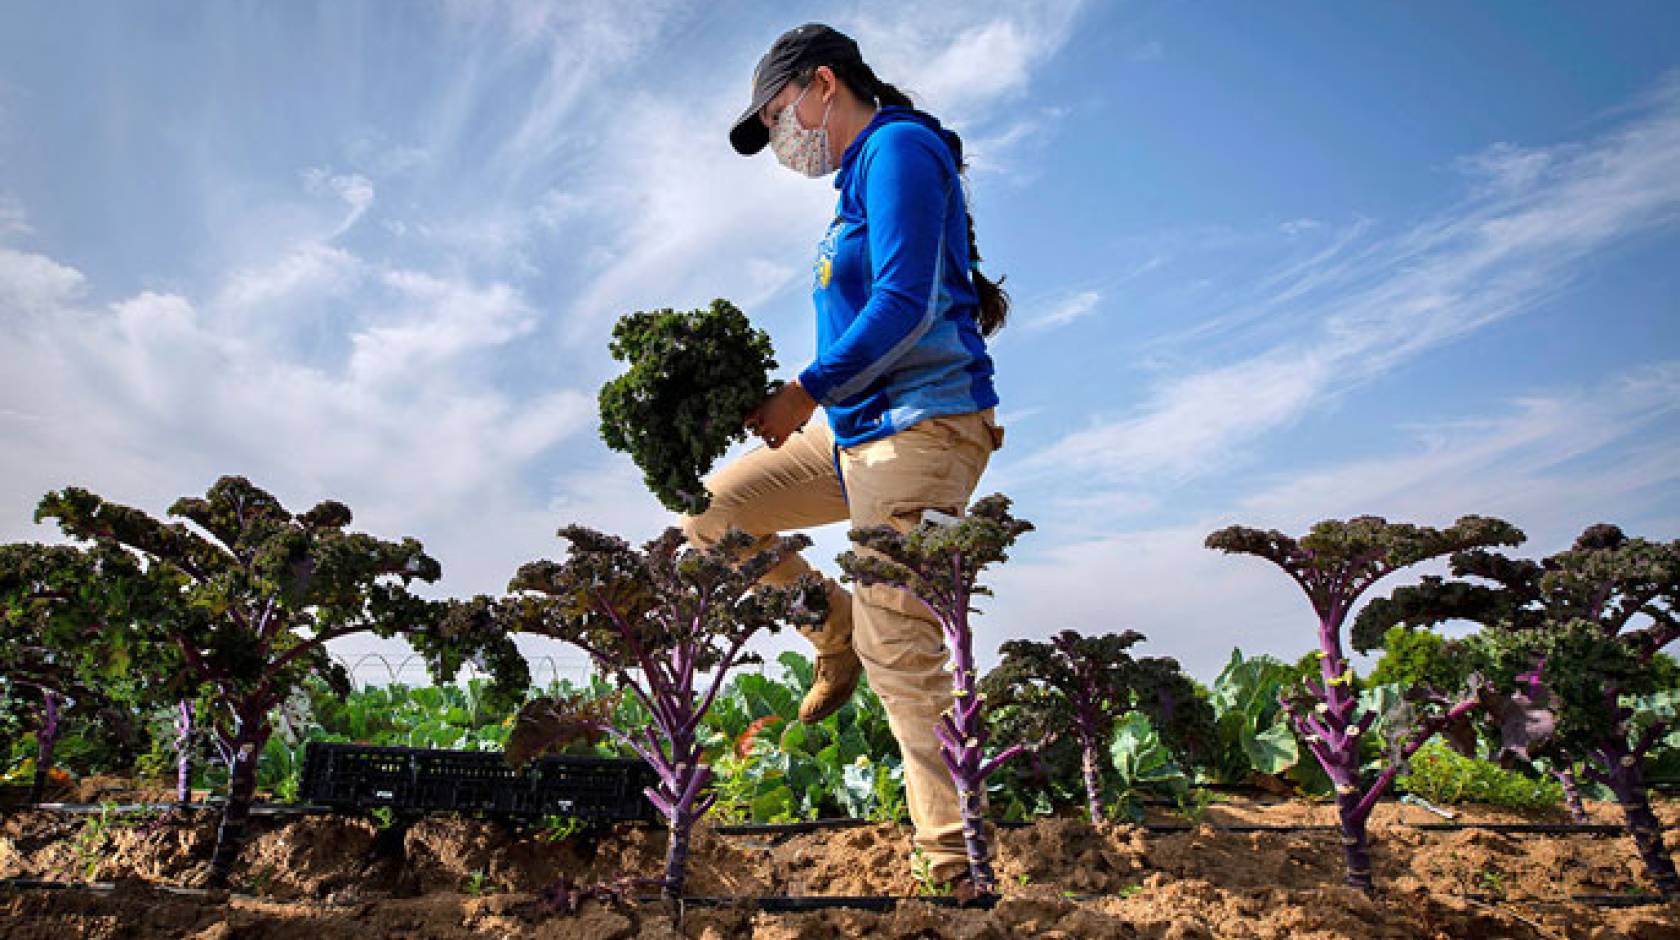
784 412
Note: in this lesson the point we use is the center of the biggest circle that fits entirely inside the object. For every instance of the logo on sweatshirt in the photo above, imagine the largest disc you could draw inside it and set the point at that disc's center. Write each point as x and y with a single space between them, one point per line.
824 266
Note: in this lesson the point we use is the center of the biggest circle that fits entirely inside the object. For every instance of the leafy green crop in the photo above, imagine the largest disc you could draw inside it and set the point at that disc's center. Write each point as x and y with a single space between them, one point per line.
1143 764
1076 686
1253 731
694 376
1441 775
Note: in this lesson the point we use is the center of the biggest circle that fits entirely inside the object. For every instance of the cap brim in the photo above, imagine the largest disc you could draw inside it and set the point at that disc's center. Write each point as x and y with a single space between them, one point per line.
749 135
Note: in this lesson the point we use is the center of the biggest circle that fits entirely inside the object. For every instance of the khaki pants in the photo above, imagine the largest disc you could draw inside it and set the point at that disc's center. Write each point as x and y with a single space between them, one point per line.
933 464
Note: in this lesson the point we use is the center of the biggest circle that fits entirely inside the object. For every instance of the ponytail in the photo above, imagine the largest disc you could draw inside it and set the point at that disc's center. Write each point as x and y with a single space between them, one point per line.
861 79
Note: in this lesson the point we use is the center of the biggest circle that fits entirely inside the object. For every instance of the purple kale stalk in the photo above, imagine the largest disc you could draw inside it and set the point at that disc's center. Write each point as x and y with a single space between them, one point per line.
1335 564
1078 685
667 623
183 752
1596 614
939 564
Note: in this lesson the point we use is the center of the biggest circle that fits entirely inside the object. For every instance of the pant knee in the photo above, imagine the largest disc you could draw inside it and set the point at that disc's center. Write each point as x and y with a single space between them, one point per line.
690 526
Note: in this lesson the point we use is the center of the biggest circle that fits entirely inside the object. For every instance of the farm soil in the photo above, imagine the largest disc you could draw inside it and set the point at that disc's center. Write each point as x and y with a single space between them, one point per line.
334 876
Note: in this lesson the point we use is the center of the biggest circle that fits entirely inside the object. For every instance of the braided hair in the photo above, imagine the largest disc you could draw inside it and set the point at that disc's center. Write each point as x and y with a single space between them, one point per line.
863 82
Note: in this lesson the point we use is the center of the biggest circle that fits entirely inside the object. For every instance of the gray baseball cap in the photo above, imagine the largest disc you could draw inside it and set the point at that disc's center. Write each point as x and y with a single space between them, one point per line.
802 46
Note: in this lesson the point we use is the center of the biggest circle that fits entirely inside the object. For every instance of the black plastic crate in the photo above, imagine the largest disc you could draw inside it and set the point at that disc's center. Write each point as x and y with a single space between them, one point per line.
359 776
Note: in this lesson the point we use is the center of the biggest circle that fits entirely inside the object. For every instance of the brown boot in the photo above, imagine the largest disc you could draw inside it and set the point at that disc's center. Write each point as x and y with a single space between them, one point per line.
836 679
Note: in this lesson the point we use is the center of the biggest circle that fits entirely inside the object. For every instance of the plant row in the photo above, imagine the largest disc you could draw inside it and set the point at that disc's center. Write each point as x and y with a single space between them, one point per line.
220 618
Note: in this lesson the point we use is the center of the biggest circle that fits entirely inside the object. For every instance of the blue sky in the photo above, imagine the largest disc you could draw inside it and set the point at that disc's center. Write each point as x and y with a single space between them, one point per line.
1271 264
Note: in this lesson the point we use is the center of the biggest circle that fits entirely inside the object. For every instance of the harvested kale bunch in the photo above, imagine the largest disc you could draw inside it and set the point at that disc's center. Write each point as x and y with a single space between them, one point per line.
694 375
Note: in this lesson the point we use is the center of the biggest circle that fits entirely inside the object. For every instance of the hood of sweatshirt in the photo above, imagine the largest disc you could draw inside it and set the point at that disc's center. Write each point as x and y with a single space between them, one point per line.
889 115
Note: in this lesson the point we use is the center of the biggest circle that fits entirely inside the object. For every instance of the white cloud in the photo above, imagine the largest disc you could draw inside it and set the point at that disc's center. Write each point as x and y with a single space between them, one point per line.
370 150
1074 307
960 62
310 270
1359 315
1295 227
14 221
33 284
1503 167
354 189
437 321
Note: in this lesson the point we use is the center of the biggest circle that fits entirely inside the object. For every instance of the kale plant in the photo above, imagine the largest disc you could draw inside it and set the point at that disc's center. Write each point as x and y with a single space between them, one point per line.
1078 686
67 641
1335 564
694 376
261 593
668 624
939 563
1596 615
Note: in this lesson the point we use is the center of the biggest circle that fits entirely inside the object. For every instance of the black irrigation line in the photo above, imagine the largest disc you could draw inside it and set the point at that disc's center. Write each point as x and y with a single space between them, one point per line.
257 809
823 825
1528 829
797 904
1544 829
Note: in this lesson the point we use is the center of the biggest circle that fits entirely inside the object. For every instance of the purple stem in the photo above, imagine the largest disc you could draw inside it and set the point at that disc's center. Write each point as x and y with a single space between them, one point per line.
962 734
46 739
183 753
242 787
1571 795
1625 777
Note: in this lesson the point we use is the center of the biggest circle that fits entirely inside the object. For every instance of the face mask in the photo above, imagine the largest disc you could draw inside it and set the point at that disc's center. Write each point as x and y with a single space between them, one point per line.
801 150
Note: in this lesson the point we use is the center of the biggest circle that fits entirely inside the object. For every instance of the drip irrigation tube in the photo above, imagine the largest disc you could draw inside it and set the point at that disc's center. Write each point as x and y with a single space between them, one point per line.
824 825
1546 829
796 904
1527 829
257 809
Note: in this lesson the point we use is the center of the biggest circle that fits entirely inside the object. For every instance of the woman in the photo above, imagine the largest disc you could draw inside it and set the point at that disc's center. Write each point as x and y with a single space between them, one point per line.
903 377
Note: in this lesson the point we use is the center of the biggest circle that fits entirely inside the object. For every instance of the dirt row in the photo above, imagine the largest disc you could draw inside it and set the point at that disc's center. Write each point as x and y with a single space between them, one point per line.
457 877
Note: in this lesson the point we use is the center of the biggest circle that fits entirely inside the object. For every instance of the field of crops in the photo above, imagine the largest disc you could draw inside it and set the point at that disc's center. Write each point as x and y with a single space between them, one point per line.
1185 849
1495 784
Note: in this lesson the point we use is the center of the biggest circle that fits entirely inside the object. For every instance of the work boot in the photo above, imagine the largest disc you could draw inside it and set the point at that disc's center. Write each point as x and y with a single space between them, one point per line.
836 679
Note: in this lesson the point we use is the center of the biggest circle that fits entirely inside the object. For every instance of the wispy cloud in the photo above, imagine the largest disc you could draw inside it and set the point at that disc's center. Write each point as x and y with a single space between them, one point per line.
35 285
13 220
1359 314
700 221
962 61
1071 308
1295 227
356 191
1152 51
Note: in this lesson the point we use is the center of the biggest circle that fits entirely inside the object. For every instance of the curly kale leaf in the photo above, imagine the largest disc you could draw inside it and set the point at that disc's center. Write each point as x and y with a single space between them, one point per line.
694 376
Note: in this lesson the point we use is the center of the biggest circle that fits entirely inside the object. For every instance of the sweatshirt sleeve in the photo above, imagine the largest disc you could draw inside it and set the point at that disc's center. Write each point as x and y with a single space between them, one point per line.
906 195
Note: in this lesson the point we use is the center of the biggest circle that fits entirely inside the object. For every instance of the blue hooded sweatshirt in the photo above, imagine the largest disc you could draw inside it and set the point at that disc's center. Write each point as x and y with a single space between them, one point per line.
897 339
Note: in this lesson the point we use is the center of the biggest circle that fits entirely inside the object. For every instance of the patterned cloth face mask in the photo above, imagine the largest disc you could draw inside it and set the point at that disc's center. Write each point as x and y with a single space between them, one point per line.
800 149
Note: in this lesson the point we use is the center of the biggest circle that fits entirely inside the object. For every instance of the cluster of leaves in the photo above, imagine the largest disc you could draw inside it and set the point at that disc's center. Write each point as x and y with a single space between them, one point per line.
694 375
1334 564
1254 736
70 657
1074 688
1440 774
1143 763
939 563
1591 620
667 624
253 595
770 767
